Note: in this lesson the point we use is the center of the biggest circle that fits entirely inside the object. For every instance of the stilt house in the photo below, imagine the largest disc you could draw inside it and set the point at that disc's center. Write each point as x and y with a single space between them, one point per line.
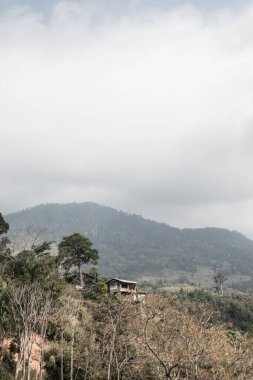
126 288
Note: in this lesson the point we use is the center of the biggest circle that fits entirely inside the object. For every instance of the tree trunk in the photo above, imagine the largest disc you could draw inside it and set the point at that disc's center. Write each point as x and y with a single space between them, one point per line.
1 341
29 353
221 290
111 353
25 347
18 365
61 355
42 351
29 368
72 355
20 355
109 365
81 276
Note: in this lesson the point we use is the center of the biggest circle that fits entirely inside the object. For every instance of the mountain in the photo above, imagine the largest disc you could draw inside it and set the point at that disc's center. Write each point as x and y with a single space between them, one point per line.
134 247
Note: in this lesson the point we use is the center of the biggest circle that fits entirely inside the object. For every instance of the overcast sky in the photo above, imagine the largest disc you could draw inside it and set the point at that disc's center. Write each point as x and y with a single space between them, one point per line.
145 106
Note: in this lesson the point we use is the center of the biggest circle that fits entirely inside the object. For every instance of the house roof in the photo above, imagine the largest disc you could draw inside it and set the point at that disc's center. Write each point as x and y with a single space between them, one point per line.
123 281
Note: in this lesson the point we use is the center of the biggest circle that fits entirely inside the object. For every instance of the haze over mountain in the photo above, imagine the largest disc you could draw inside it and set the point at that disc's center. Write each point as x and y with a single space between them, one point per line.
143 105
132 246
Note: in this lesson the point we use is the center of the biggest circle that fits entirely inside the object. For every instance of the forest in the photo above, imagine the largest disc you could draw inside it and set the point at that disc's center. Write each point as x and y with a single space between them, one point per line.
52 329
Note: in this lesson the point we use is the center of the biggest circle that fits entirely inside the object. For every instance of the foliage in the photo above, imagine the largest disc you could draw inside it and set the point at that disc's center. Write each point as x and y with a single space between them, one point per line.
28 268
164 338
219 279
187 344
53 364
234 310
4 226
42 249
4 241
76 250
31 284
95 291
5 373
92 335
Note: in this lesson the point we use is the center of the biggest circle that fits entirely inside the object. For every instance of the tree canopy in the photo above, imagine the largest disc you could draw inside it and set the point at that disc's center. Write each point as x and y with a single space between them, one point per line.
219 279
76 250
4 227
4 241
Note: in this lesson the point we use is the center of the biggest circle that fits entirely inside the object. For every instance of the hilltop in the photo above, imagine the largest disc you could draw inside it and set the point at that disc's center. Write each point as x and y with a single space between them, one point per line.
132 246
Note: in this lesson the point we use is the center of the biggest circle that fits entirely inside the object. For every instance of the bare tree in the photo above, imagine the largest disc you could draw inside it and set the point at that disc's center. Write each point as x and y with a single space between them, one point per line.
69 324
30 309
116 336
186 344
43 325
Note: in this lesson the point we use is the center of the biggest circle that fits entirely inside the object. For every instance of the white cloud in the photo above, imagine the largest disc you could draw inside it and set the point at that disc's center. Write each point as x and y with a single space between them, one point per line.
150 113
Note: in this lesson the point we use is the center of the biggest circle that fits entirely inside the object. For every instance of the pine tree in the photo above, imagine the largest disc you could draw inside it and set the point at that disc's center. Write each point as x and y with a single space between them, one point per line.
76 250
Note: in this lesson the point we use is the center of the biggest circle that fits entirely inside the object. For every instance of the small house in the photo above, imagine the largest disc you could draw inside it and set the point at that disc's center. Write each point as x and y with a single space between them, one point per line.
126 288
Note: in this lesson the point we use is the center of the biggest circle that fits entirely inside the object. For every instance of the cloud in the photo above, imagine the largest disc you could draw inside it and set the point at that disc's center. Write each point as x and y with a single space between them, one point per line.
150 112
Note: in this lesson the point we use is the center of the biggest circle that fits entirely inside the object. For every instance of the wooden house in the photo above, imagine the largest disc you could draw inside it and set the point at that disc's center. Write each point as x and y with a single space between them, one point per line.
126 288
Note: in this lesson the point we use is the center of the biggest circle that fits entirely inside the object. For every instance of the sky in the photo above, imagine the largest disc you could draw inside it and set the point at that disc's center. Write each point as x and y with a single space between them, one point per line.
144 106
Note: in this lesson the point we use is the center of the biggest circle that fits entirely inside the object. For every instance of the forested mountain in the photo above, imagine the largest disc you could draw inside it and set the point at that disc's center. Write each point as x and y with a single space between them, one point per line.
132 246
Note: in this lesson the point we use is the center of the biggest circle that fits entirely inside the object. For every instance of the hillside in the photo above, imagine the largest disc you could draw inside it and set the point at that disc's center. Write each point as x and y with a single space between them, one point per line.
132 246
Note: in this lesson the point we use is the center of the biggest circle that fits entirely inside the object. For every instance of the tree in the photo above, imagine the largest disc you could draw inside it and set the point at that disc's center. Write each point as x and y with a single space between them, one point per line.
30 309
32 285
4 241
219 279
114 320
76 250
4 256
42 249
4 227
28 268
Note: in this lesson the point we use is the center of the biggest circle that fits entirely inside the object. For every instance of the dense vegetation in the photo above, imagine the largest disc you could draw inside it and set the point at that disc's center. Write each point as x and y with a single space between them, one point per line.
132 246
50 330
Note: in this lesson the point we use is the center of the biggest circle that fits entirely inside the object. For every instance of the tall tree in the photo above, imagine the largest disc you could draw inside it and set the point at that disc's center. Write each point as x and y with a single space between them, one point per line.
4 227
219 279
76 250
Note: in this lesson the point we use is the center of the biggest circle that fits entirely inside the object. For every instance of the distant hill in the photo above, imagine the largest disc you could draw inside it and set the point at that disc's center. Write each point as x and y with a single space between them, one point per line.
135 247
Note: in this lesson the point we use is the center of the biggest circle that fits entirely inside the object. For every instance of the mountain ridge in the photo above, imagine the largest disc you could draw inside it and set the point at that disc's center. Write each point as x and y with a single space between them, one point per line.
42 205
133 246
